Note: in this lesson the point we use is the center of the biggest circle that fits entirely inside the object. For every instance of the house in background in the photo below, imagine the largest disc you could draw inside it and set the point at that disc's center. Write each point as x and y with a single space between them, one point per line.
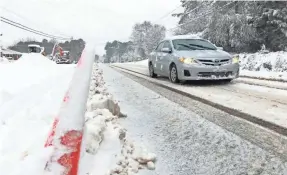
11 54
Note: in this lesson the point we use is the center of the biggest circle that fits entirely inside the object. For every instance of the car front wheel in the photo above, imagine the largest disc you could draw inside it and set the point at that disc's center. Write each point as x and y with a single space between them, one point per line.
227 80
173 76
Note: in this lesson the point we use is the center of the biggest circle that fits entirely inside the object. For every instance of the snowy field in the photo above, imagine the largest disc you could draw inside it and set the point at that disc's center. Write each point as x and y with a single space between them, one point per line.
271 65
31 91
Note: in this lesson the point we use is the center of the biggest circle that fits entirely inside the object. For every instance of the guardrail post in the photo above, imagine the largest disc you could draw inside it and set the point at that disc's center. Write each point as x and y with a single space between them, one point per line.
67 132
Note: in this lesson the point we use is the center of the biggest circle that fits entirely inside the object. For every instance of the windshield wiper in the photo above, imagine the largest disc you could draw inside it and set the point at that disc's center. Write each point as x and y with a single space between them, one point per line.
202 46
187 46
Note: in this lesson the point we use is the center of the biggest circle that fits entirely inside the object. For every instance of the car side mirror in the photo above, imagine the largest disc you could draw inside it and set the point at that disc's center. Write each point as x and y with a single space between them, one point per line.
220 48
166 50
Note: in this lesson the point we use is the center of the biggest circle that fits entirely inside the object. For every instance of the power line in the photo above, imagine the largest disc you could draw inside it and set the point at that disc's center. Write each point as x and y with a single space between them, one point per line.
20 16
37 31
30 30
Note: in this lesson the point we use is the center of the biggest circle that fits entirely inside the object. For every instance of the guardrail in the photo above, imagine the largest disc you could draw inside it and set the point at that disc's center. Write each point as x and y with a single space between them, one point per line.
67 132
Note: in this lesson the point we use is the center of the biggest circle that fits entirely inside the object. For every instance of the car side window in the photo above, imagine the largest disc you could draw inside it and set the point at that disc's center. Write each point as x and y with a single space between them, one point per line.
159 47
167 45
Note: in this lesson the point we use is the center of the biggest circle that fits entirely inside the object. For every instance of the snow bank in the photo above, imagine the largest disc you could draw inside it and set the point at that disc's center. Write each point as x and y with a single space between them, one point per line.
31 92
4 60
271 65
270 62
35 59
142 62
28 70
25 124
104 137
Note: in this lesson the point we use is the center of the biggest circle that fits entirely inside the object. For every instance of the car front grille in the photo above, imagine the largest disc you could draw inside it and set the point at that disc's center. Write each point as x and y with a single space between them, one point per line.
217 74
212 62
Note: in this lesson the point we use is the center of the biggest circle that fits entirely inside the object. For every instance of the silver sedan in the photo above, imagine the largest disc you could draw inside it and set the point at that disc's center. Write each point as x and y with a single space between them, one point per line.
183 59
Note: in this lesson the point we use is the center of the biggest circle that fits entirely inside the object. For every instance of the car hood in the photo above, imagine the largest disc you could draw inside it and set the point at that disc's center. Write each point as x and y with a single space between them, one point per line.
203 54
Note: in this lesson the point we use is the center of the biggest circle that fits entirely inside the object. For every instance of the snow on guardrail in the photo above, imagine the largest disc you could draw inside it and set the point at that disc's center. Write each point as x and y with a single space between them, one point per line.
67 131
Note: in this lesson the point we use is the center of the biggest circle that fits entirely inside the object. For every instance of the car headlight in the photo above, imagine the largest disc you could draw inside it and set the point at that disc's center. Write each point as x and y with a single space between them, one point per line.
187 60
235 60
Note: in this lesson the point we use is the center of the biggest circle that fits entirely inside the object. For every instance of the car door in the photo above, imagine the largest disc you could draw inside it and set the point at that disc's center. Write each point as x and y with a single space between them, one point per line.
157 60
166 59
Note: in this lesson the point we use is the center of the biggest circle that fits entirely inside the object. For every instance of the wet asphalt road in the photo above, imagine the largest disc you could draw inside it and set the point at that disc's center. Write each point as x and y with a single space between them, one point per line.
185 142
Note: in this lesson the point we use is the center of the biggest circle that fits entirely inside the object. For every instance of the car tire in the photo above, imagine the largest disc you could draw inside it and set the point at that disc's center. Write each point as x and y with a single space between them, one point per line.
173 75
151 71
227 80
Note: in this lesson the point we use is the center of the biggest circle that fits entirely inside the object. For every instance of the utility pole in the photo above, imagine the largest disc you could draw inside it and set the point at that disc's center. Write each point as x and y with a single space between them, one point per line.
1 54
118 48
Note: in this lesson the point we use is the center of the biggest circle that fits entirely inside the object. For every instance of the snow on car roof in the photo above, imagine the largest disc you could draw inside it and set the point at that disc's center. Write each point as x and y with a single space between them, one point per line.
184 37
33 45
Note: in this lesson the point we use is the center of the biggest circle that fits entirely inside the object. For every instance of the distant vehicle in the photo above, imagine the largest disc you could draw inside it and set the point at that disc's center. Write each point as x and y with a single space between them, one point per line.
34 48
65 59
191 58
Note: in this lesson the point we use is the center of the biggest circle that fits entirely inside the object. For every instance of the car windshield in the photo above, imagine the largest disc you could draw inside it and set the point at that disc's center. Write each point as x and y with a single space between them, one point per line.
192 44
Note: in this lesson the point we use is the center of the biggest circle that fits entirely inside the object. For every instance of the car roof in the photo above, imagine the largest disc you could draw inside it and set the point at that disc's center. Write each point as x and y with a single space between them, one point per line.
184 37
33 45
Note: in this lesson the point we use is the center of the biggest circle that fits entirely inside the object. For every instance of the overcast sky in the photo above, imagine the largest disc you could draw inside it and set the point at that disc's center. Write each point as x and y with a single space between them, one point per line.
96 21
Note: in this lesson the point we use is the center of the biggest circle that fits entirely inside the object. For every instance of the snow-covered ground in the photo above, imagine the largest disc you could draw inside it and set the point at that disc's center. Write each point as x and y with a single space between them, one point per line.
185 142
270 103
3 60
31 91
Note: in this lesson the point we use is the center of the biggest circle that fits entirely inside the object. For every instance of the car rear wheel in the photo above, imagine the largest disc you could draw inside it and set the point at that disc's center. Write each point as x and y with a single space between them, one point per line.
151 71
173 76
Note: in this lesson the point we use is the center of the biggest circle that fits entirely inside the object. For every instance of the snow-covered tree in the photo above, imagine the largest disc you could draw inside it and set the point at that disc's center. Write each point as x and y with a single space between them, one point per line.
145 36
116 49
237 25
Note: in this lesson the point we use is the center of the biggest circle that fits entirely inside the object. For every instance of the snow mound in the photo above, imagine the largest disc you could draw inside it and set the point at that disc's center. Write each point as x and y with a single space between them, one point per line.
272 65
30 69
4 60
268 62
35 59
106 144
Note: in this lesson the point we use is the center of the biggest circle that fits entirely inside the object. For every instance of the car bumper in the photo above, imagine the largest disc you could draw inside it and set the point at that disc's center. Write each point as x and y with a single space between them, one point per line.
63 62
202 72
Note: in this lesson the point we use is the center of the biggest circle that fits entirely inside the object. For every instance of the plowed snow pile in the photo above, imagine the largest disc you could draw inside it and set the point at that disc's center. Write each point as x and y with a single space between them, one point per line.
31 92
3 60
29 69
107 146
264 65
